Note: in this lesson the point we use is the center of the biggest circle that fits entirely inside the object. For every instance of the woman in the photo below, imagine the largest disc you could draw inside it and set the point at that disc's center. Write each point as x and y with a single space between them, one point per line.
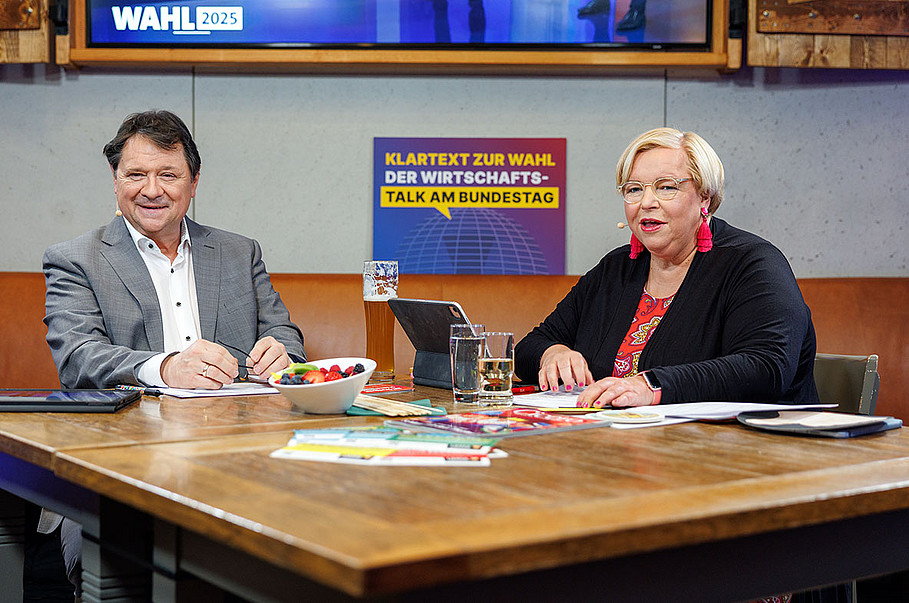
732 322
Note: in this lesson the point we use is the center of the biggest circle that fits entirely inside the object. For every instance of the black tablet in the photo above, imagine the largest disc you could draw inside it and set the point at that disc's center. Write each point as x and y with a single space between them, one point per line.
66 400
427 324
427 321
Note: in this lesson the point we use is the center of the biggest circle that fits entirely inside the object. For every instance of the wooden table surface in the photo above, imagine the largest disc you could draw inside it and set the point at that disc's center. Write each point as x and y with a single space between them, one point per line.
36 437
556 500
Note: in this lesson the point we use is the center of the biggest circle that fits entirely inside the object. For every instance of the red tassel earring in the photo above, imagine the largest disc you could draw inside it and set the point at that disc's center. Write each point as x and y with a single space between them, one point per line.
705 237
636 247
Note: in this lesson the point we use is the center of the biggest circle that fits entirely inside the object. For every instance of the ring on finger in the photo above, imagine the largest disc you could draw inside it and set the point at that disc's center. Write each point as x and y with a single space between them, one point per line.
205 370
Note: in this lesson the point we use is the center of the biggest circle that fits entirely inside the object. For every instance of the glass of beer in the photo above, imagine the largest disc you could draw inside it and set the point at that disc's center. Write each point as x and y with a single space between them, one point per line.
380 283
496 368
466 343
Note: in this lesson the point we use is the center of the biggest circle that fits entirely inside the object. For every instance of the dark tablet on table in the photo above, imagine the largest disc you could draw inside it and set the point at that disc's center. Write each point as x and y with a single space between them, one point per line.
427 324
66 400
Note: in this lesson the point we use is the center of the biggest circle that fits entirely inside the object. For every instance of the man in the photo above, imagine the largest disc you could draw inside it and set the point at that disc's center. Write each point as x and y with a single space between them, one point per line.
154 298
150 298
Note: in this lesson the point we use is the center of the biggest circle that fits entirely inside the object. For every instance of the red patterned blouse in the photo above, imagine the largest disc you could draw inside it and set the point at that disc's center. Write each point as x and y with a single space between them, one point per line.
646 318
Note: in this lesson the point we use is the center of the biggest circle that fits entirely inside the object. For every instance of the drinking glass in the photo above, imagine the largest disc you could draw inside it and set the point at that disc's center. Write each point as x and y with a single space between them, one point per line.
496 368
466 343
380 283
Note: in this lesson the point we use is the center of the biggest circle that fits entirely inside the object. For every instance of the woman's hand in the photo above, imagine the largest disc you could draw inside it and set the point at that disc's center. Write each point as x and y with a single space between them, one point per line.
561 362
618 392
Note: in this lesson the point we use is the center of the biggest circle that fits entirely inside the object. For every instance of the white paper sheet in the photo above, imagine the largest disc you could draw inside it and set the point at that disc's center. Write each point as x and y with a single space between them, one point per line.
672 413
231 389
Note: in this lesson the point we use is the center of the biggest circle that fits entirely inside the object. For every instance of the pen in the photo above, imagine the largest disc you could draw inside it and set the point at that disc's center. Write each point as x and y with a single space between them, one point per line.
236 349
146 391
525 389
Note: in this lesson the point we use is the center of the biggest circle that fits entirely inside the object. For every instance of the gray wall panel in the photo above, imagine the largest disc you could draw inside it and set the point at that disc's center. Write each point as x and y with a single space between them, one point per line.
814 162
815 158
54 181
301 148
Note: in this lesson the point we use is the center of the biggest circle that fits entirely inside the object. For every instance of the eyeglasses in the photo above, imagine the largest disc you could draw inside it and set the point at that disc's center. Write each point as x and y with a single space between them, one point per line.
664 189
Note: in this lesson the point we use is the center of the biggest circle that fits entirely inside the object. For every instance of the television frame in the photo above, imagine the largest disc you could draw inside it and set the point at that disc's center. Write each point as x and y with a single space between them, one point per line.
400 60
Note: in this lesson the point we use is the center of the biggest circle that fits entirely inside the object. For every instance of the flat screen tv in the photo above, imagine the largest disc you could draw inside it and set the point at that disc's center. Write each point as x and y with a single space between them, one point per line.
404 24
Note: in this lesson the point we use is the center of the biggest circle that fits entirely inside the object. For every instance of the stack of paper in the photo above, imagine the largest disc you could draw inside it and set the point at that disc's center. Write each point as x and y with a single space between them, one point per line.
379 446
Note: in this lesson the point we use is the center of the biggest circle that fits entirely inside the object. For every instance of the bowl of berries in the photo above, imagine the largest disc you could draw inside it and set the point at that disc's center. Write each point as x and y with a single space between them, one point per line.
324 387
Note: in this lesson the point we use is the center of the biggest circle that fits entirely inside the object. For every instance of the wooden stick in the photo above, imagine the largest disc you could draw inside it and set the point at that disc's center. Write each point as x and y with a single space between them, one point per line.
391 408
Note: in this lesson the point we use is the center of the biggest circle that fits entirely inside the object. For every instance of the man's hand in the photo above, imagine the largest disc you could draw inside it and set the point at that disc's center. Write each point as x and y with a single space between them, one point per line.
268 356
203 365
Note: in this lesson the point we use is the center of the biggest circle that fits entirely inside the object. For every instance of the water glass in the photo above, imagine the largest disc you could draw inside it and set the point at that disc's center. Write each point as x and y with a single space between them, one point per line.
496 368
466 343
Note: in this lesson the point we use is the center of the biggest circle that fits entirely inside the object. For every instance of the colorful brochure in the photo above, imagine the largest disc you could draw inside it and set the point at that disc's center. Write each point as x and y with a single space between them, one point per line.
387 447
499 423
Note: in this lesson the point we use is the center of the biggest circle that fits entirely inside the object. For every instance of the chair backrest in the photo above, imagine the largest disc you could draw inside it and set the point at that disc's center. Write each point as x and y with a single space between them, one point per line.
849 381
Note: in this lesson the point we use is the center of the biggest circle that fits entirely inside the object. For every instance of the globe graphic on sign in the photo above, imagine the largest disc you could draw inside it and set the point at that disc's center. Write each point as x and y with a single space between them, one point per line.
473 241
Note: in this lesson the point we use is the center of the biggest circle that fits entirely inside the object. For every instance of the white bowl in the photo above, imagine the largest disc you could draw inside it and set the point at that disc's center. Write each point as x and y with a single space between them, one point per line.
330 397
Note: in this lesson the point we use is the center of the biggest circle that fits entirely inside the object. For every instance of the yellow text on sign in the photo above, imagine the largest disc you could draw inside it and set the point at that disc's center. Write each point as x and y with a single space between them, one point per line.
444 198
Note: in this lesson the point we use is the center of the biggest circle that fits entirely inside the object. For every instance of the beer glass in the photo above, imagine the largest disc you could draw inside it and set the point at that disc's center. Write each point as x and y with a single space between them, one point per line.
496 368
466 342
380 283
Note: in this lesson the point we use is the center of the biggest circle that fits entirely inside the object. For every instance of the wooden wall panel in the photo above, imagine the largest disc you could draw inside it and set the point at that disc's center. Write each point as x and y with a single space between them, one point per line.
824 48
31 44
851 316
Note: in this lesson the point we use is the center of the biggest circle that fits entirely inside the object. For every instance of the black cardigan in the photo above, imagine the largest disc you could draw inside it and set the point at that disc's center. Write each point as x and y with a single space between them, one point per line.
737 330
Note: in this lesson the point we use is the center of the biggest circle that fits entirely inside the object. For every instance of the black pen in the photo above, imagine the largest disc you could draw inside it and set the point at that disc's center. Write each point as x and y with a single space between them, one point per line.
236 349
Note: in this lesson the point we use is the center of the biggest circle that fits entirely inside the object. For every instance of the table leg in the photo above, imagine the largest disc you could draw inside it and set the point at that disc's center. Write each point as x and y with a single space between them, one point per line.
169 583
116 540
12 546
116 554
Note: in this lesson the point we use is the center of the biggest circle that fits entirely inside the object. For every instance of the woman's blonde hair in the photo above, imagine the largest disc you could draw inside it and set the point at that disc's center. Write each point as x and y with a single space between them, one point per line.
703 163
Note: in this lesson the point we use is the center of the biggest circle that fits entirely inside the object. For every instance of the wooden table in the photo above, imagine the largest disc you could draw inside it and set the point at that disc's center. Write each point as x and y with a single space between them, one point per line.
30 443
685 512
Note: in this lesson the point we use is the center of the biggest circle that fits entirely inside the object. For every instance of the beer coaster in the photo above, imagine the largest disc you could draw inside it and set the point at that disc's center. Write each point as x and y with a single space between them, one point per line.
627 416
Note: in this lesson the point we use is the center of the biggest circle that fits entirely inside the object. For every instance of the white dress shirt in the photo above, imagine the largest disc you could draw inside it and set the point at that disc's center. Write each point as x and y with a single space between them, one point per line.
175 285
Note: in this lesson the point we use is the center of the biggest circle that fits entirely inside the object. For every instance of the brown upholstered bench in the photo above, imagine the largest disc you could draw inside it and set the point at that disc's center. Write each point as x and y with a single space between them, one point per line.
851 316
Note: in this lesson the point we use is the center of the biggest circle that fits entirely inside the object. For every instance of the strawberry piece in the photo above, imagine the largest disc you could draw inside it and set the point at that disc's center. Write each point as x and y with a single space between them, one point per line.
314 377
333 376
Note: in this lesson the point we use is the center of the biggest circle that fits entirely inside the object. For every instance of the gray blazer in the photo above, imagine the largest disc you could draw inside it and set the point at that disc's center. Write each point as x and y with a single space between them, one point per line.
102 314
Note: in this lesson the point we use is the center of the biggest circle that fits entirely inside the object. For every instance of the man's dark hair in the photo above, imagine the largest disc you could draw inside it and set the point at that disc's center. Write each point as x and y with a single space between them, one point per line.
163 128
